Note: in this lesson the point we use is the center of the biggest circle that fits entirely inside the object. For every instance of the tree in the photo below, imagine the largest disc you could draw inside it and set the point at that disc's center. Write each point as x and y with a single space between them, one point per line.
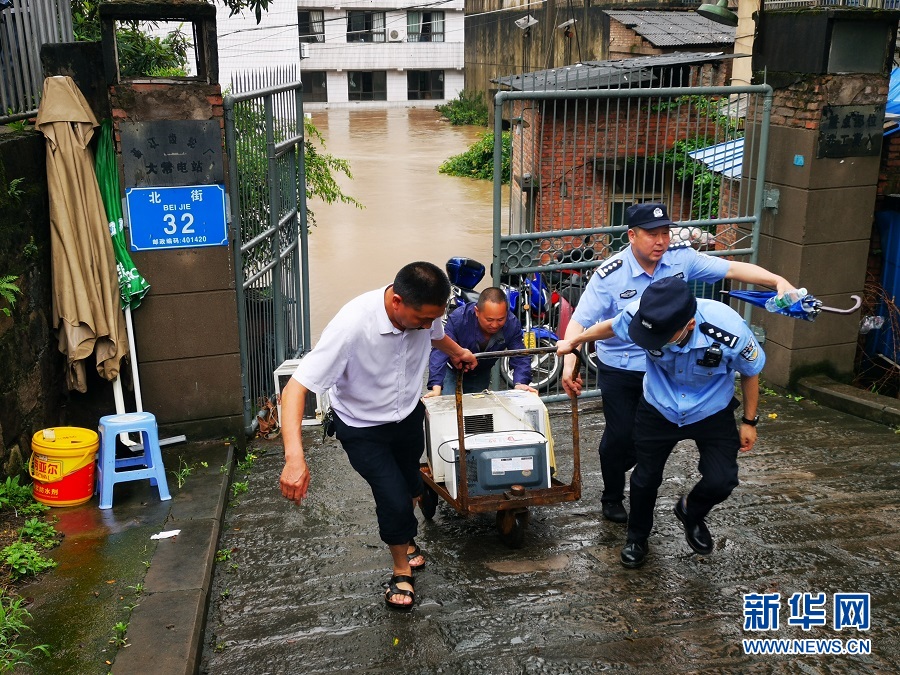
139 53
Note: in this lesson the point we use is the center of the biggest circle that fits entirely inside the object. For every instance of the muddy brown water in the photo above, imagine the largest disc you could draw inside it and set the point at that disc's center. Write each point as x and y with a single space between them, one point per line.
411 212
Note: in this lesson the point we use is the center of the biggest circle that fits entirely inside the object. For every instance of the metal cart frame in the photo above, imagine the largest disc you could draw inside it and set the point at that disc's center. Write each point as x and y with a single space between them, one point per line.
512 504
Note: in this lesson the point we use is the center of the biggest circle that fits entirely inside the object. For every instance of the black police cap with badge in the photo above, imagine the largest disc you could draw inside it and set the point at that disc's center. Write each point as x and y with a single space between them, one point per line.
648 216
665 308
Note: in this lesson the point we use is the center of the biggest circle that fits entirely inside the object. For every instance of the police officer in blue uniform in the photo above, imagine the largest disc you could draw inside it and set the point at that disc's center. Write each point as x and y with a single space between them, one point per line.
693 348
621 364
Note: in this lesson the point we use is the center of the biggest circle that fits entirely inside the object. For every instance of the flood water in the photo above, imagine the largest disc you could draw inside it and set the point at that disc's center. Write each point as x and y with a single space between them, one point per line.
411 212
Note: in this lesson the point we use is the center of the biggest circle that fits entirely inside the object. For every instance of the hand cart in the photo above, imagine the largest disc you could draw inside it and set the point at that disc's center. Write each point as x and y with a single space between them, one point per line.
512 504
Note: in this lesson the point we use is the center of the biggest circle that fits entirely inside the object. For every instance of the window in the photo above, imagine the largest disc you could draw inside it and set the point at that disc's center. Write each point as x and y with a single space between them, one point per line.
424 26
365 26
311 25
315 86
367 85
424 84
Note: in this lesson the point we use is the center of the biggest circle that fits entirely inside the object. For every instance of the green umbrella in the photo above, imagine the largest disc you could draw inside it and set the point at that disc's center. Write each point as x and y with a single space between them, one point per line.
132 286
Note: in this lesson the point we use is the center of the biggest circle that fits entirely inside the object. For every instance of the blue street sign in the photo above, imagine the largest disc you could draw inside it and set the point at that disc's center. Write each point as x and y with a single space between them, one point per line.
176 217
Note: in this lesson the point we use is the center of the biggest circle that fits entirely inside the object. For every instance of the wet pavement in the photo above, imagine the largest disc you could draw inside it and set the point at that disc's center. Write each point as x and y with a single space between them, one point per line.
816 512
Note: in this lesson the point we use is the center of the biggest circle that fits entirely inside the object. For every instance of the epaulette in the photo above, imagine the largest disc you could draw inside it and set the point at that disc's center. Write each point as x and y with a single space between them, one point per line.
679 244
609 268
719 334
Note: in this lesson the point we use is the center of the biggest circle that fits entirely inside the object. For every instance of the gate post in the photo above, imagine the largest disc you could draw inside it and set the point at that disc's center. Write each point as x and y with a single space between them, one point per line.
821 172
169 131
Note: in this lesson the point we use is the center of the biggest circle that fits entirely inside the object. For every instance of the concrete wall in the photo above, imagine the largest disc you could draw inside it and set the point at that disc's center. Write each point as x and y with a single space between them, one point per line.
186 330
819 235
31 367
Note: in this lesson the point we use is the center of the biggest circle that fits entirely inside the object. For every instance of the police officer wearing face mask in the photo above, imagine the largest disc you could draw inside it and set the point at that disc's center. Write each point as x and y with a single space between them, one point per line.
694 348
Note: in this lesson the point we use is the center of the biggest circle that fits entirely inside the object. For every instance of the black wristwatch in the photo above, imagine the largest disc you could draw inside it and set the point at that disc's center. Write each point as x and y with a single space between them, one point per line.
752 422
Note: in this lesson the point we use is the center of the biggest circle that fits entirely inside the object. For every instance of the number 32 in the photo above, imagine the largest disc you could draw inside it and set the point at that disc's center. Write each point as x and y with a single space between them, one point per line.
187 221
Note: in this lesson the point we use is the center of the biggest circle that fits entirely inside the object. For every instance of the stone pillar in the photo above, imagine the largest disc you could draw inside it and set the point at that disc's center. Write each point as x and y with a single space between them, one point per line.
170 135
823 161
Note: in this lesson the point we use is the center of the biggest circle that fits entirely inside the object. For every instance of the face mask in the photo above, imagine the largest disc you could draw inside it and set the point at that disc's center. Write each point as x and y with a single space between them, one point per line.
678 339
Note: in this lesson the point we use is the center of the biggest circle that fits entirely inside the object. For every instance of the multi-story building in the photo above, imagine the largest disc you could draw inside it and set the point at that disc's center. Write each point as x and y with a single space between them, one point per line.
349 53
380 52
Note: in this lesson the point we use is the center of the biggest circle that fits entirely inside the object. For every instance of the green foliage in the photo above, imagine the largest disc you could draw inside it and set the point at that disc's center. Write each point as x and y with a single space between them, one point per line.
705 106
182 472
13 495
468 108
223 554
239 488
478 161
24 560
14 191
139 53
30 250
705 184
40 532
320 171
12 624
246 464
8 291
118 639
18 125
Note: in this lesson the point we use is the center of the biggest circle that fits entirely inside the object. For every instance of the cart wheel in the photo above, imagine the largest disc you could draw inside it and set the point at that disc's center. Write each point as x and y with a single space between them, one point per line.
428 502
511 526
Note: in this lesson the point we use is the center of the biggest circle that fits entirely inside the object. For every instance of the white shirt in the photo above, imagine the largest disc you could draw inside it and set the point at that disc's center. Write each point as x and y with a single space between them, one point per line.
372 370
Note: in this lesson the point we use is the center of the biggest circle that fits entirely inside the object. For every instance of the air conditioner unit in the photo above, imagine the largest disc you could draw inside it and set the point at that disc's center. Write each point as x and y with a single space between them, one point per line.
316 405
396 35
507 440
304 50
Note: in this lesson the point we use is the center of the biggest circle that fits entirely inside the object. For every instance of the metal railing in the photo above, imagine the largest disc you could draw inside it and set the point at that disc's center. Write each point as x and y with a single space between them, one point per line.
264 137
580 157
24 26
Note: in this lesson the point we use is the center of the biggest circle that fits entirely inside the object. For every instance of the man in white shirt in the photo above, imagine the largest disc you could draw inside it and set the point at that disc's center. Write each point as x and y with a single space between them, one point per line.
371 359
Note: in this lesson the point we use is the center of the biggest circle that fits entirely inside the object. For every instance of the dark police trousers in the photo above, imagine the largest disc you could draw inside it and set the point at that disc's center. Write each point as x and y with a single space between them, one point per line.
621 390
718 443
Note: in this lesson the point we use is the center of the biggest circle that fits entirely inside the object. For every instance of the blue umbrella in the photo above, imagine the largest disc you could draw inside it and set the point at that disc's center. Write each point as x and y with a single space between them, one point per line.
806 308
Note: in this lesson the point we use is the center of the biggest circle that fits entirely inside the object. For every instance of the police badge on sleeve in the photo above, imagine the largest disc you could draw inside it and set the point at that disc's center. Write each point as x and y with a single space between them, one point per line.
751 351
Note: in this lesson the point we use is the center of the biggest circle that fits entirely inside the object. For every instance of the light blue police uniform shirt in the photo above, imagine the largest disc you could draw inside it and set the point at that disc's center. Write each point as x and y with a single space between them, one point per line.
621 280
676 385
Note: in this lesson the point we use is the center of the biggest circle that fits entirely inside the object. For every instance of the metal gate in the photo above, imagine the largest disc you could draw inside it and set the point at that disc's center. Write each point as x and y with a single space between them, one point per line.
264 137
578 158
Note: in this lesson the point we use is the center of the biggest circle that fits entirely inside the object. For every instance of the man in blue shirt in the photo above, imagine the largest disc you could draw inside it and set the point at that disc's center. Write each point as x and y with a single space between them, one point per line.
483 326
619 281
693 349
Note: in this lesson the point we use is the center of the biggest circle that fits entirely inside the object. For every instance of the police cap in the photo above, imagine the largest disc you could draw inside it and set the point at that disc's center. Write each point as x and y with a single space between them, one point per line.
665 308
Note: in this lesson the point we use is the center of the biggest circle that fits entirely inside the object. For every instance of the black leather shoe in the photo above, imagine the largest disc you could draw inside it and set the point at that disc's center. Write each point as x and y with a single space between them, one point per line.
615 512
695 532
634 554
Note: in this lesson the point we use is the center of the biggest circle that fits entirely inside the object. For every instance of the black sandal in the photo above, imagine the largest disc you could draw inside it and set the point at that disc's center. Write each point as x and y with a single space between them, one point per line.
416 552
393 589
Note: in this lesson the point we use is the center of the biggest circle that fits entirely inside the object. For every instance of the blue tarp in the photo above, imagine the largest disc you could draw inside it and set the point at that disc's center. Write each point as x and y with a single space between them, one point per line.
893 102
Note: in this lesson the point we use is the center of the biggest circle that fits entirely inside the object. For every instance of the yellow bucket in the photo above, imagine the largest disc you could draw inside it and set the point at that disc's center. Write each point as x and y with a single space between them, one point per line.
62 465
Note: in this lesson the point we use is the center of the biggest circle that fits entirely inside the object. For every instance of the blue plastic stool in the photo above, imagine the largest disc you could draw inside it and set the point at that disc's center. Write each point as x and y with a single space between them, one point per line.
108 467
